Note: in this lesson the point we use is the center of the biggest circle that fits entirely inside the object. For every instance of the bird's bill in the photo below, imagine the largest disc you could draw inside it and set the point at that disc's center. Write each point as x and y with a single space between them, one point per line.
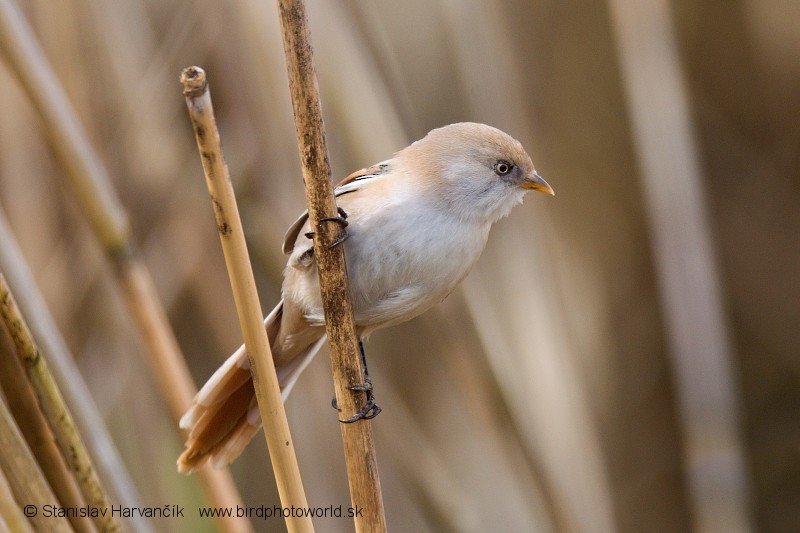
537 183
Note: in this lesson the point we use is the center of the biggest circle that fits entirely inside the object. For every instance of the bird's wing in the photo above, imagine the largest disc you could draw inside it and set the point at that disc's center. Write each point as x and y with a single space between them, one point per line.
351 183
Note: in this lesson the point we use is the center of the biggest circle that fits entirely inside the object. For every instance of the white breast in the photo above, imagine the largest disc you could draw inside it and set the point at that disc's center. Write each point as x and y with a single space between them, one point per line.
403 256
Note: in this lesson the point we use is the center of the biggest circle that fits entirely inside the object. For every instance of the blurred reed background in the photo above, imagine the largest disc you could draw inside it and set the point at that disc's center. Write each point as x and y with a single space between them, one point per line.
623 358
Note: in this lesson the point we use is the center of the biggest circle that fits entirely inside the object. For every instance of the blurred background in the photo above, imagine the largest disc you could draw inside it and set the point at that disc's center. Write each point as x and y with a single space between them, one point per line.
624 357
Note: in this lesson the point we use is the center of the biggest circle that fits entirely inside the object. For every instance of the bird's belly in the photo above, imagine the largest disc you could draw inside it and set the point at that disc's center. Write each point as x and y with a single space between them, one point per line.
397 273
399 264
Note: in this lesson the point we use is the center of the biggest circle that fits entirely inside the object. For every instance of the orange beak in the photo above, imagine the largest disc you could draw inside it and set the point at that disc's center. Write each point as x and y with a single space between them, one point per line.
537 183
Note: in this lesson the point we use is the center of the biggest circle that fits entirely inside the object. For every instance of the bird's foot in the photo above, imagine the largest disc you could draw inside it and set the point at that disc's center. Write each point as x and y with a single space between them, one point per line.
341 219
365 387
370 409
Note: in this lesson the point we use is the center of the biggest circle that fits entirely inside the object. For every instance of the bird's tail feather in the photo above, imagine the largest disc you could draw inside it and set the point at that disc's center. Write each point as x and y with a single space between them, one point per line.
224 415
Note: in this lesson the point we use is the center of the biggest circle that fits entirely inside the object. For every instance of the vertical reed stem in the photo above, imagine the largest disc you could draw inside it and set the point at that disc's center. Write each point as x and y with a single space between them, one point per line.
57 413
362 467
248 307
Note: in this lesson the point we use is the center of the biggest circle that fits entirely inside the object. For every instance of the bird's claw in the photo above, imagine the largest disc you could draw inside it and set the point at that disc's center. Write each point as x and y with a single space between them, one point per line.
368 412
339 240
370 409
341 219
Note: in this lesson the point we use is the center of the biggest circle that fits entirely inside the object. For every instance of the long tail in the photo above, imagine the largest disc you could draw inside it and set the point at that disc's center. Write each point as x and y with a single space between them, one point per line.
224 415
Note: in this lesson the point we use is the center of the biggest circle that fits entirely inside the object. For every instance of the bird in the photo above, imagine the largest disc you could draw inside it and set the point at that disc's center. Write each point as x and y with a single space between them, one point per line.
412 228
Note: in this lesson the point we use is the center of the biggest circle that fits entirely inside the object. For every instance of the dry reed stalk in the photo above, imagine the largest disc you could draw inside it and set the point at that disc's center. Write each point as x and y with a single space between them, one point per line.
248 306
24 477
93 189
11 514
700 347
34 428
359 448
55 410
71 382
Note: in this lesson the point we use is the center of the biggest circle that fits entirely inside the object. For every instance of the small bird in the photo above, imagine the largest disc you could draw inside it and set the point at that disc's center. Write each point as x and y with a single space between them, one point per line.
415 225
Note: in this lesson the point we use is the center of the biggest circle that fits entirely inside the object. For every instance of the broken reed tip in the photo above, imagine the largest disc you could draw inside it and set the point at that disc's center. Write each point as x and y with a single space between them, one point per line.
194 81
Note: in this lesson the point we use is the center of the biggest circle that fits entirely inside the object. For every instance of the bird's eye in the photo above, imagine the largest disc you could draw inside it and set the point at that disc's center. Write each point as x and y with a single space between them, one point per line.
501 168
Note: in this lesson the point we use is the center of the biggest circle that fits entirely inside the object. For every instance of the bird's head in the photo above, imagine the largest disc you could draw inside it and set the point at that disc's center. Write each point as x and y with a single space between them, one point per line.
474 169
